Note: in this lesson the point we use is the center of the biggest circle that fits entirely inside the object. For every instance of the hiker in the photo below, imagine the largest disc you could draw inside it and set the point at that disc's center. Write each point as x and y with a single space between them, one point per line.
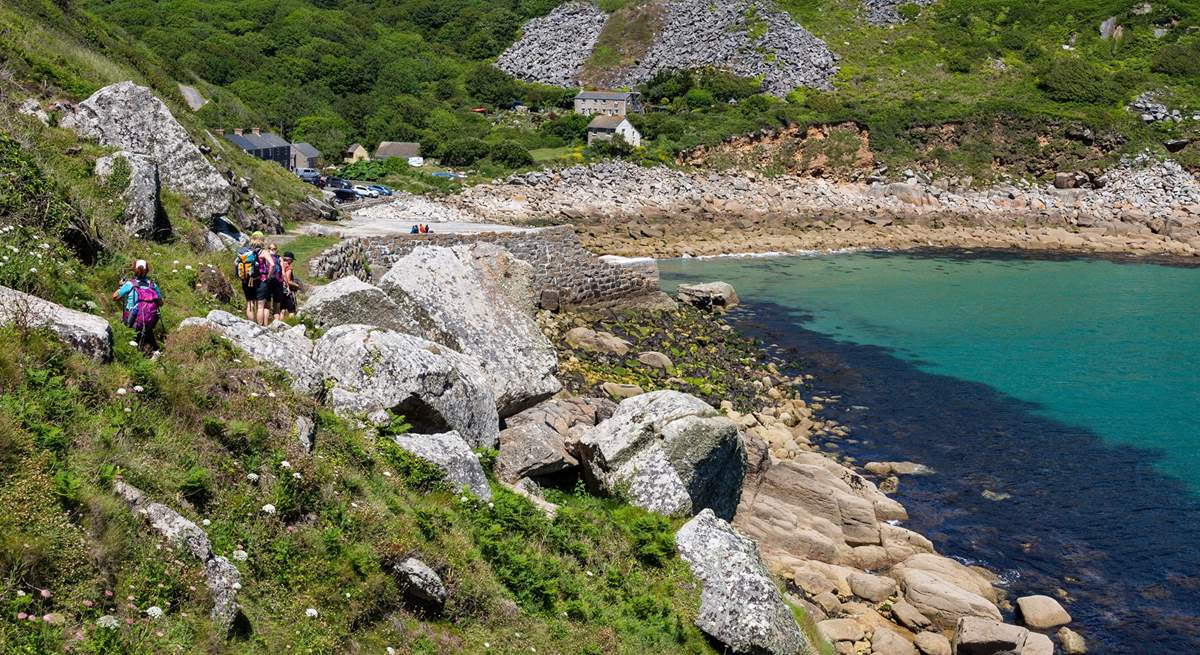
416 229
269 292
290 287
247 272
142 302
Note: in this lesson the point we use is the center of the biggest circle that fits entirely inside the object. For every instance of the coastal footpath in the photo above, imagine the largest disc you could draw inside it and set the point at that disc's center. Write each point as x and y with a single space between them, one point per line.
1144 205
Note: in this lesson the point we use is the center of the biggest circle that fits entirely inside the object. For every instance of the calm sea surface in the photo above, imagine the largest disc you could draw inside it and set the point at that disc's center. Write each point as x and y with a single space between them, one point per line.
1068 387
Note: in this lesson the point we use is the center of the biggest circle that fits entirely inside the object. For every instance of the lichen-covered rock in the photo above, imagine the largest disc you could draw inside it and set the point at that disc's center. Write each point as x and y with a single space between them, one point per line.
531 450
86 333
421 582
140 194
740 605
371 371
350 300
449 452
221 577
280 346
462 306
130 117
553 49
670 453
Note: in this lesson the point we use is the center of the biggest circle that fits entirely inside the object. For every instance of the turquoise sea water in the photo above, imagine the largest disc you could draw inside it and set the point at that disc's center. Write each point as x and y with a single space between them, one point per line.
1113 347
1067 387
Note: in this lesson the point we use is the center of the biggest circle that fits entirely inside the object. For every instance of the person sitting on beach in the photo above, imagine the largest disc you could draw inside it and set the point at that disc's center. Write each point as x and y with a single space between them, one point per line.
142 302
416 229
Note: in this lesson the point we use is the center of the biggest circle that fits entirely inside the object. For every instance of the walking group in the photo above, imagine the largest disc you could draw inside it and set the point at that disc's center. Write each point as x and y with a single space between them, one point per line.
268 283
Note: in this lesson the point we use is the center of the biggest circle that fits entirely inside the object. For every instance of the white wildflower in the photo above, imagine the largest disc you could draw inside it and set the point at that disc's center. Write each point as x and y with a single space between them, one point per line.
133 343
32 269
463 499
138 389
254 394
175 262
206 523
253 477
391 651
491 505
271 394
188 267
20 593
128 410
285 464
589 574
174 270
122 391
296 475
108 621
237 586
154 612
240 555
387 474
268 508
311 613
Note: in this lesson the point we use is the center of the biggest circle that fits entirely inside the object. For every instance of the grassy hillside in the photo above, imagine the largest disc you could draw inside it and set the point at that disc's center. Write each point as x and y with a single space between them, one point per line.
336 72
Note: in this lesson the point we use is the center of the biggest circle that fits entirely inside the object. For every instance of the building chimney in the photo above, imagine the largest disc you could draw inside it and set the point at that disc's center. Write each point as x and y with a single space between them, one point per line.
237 131
256 131
220 131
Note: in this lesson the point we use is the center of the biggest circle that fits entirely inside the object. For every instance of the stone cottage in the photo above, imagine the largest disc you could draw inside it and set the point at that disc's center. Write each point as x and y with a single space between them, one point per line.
616 103
604 128
355 152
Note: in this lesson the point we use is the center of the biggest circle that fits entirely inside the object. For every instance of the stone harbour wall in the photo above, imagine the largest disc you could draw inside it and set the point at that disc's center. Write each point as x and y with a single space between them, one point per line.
565 274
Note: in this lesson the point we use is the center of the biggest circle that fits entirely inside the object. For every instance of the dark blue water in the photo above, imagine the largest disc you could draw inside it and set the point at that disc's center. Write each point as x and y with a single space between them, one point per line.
1068 385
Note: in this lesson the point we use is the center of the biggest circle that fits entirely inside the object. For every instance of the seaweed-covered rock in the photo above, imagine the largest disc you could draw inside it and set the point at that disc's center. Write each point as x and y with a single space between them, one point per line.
670 452
740 605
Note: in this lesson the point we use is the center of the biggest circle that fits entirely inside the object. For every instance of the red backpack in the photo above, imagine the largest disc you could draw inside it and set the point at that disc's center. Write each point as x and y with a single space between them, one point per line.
147 306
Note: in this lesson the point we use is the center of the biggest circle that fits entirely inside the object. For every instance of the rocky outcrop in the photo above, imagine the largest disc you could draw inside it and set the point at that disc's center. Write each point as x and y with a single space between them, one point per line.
279 345
944 603
86 333
142 208
668 452
449 452
884 12
420 582
531 450
739 603
350 300
222 577
131 118
553 49
371 372
709 296
464 307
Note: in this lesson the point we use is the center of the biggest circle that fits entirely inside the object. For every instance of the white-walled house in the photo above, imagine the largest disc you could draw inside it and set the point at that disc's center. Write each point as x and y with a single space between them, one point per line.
603 128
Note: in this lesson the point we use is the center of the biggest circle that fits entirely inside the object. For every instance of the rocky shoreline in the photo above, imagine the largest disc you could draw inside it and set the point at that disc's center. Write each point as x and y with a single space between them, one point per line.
1143 206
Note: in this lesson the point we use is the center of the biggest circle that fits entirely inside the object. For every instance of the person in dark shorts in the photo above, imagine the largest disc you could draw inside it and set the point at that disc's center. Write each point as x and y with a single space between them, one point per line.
290 287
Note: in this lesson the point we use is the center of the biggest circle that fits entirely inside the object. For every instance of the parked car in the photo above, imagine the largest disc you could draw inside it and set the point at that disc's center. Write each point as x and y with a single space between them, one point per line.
341 195
336 183
448 175
383 191
365 191
308 174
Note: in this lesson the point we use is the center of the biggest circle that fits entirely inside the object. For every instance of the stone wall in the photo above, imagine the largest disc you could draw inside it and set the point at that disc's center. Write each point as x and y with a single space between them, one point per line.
565 274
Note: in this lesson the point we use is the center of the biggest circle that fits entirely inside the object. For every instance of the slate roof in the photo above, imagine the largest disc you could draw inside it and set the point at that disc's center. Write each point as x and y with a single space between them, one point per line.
351 148
307 150
404 149
605 95
606 122
257 141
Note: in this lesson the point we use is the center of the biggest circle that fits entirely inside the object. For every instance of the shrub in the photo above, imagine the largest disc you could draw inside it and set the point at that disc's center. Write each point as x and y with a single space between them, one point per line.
1071 79
571 128
196 487
614 147
699 98
464 152
511 154
1178 59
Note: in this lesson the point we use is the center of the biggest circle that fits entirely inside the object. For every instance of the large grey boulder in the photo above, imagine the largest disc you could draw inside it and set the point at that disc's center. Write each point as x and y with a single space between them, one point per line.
1042 612
421 582
90 335
371 371
350 300
532 450
670 453
284 347
449 452
709 295
740 605
462 305
131 118
221 577
140 194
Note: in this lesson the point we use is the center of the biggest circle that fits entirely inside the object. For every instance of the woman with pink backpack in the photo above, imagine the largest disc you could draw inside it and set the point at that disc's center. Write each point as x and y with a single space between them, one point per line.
142 302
